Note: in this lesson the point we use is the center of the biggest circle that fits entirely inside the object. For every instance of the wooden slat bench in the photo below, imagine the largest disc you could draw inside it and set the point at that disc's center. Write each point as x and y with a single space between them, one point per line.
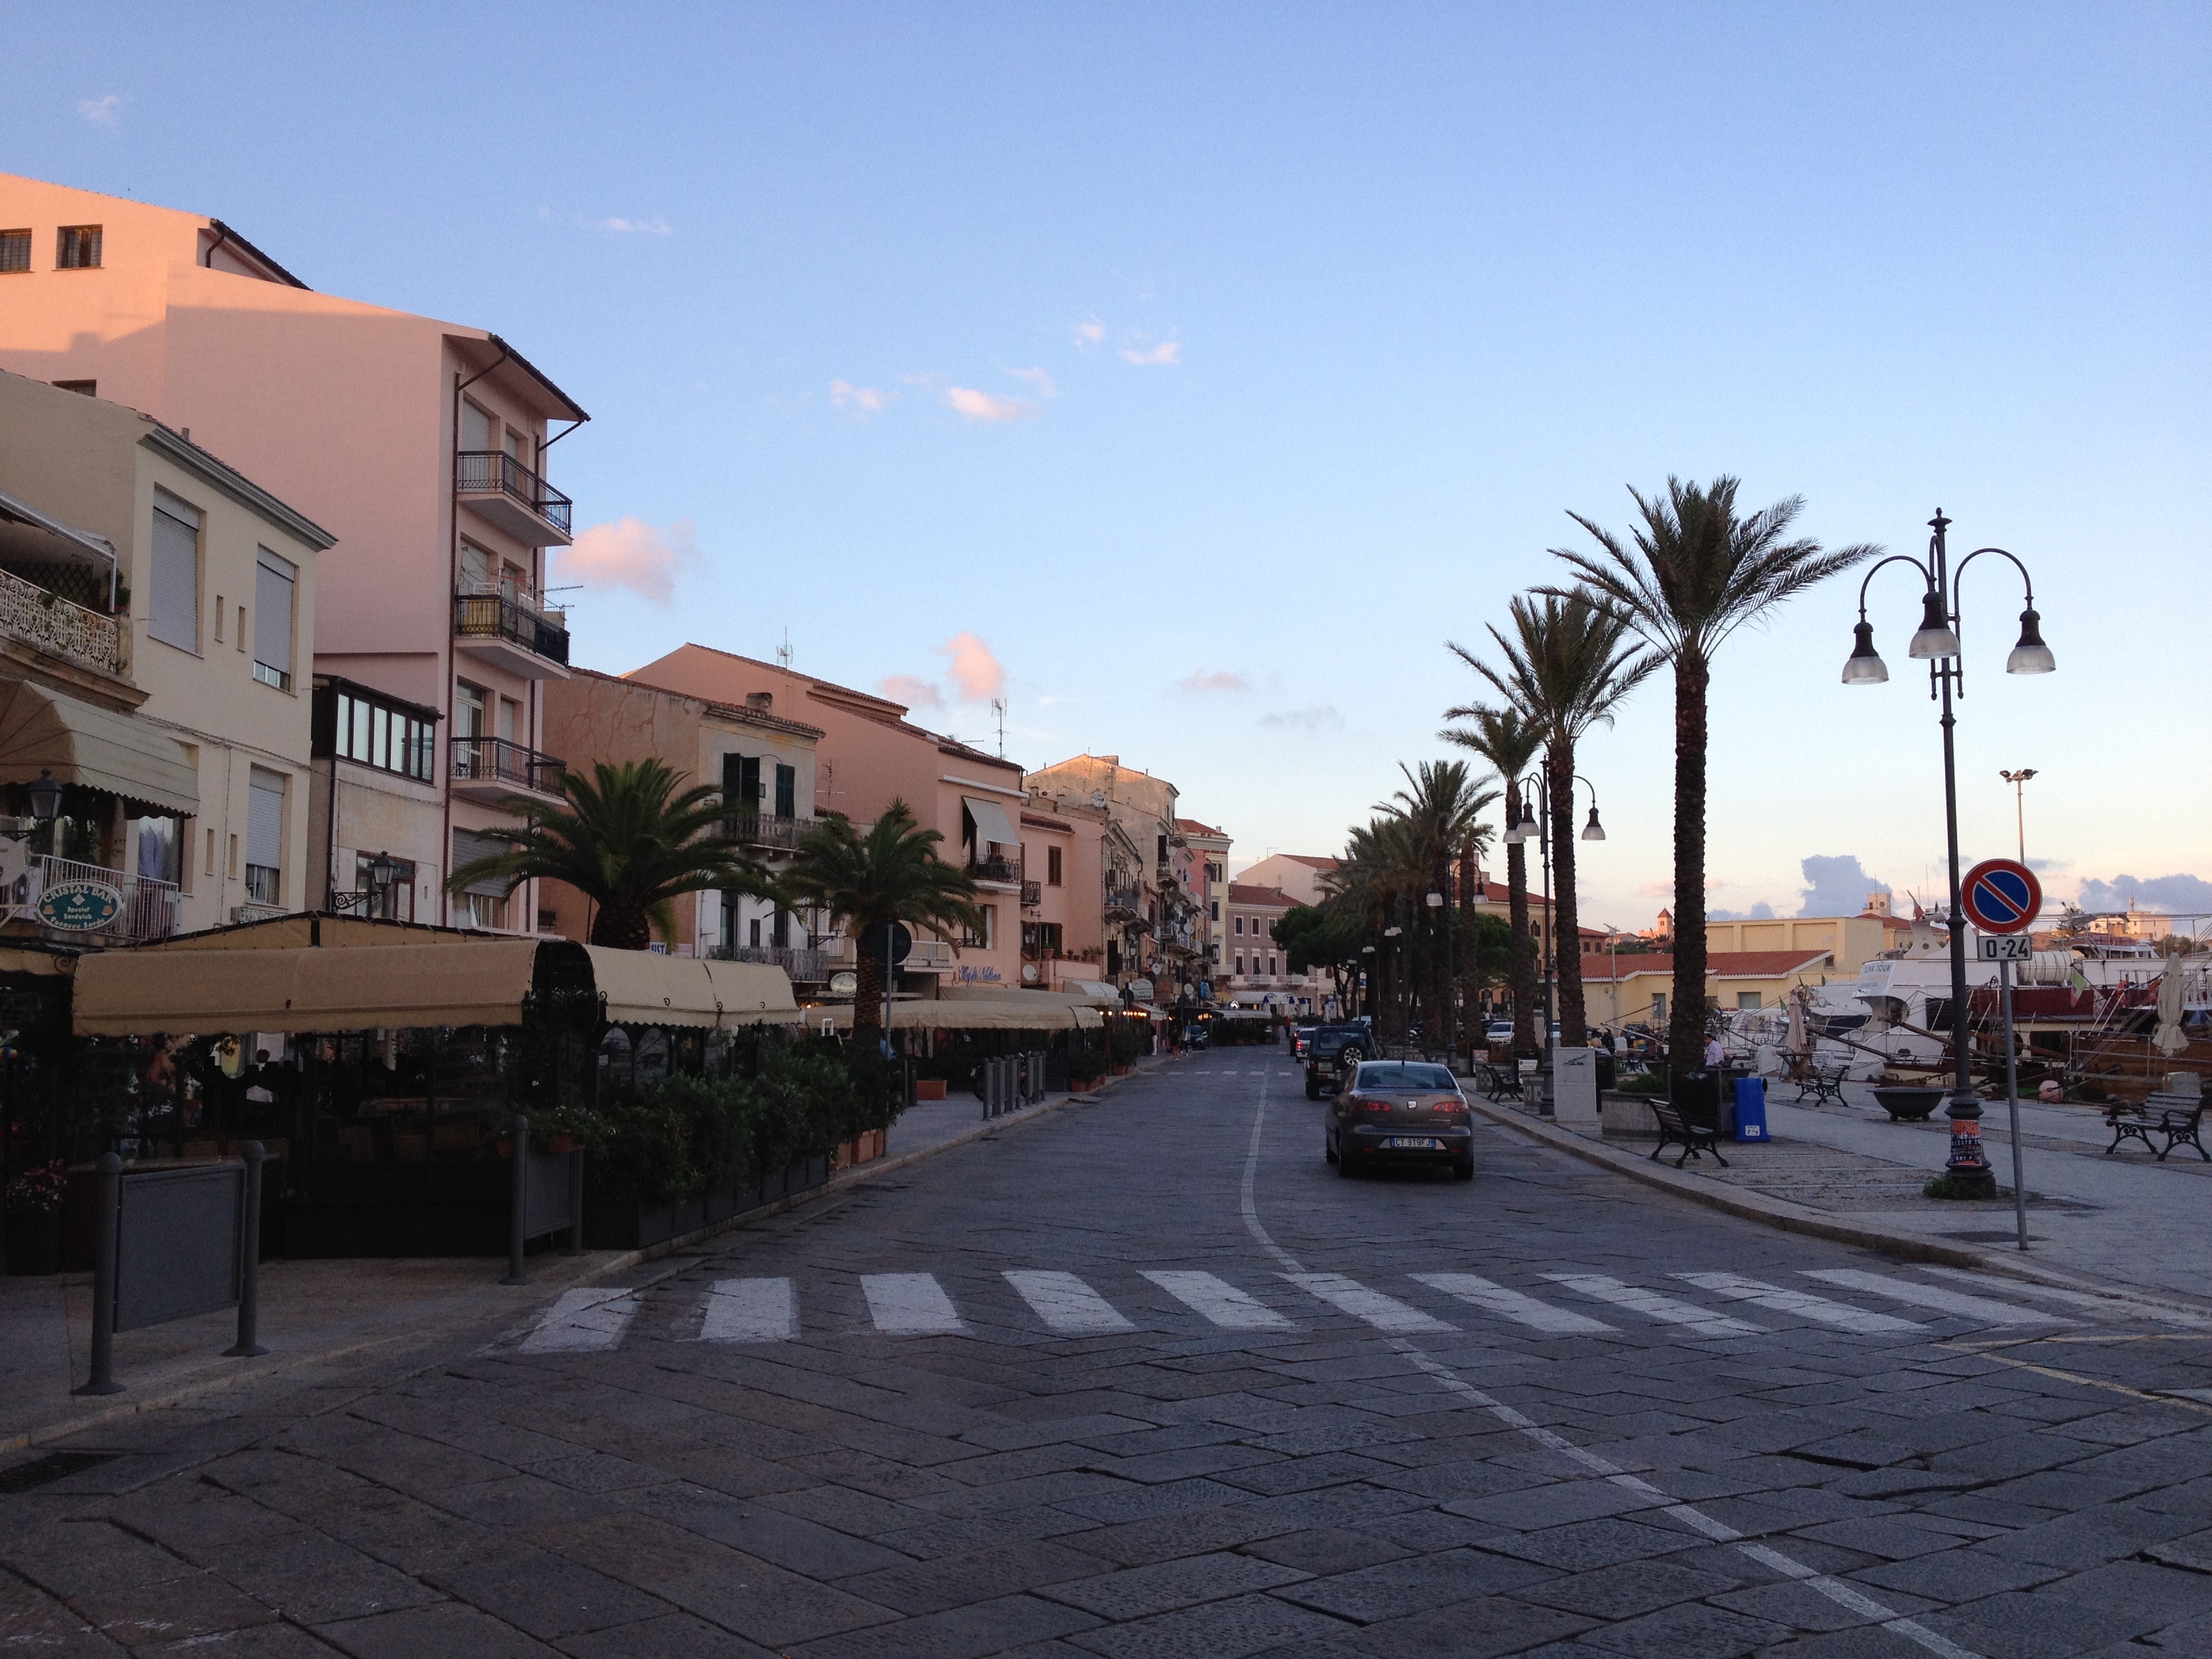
1675 1130
2177 1117
1825 1083
1501 1083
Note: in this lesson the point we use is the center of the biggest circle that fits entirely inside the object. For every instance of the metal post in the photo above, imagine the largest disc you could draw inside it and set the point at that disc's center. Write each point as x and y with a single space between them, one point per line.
249 1266
2012 1103
575 1244
110 1168
1968 1163
518 1203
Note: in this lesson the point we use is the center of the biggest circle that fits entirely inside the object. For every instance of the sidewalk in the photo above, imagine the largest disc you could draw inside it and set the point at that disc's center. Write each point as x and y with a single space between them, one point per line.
2124 1221
344 1313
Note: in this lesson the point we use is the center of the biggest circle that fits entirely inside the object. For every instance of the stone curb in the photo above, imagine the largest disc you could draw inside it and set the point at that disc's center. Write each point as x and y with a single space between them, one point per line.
1790 1217
249 1372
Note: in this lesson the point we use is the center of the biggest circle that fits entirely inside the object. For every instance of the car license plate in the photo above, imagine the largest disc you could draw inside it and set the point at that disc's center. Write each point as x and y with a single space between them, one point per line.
1415 1144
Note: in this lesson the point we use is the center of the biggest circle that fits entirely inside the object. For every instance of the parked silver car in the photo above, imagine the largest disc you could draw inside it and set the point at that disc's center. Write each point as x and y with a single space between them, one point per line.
1399 1111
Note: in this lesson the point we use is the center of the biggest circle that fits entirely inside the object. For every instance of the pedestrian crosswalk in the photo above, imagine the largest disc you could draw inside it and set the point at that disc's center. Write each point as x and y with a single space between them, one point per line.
752 1312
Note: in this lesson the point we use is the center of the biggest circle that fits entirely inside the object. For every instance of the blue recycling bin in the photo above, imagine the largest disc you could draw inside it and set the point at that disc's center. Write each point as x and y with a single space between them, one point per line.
1750 1108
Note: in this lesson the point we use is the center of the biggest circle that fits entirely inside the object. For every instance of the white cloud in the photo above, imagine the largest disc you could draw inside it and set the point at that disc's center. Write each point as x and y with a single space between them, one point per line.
632 554
1221 679
654 227
985 409
1091 333
1166 351
1306 720
976 674
1037 378
911 689
104 111
862 400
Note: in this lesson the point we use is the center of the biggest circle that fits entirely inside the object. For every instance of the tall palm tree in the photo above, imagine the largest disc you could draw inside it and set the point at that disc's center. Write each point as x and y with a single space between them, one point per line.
630 841
890 874
1368 885
1508 743
1567 664
1699 572
1442 808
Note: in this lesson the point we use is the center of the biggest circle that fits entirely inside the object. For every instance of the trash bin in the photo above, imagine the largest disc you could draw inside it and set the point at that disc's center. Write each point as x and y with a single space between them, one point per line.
1750 1108
1696 1096
1608 1070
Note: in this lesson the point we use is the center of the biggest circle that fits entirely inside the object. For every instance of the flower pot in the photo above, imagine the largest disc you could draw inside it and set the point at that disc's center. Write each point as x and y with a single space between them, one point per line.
564 1142
929 1088
1910 1105
34 1243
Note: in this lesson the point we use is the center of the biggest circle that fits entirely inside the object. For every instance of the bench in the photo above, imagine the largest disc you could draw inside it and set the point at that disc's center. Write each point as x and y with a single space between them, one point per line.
1827 1083
1675 1130
2177 1117
1501 1083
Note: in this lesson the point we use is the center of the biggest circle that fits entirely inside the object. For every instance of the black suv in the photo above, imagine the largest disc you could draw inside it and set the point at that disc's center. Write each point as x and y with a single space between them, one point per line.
1332 1052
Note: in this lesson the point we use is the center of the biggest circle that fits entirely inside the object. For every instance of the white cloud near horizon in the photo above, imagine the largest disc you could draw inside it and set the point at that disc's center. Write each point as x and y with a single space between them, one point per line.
652 226
1166 352
985 409
104 111
911 689
1039 378
863 400
977 675
1219 679
631 554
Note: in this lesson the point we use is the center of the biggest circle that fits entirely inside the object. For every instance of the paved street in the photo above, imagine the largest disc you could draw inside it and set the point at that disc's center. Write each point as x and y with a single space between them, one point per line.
1147 1377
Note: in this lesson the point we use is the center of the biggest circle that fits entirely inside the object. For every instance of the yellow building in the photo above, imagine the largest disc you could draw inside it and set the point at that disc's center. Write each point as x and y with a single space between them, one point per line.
1851 940
1636 989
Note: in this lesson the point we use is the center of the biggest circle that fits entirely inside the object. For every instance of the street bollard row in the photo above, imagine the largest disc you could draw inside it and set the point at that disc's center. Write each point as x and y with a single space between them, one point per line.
1012 1081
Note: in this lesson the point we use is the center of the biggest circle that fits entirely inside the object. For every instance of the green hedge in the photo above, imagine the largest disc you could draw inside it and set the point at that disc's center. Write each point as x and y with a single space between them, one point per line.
682 1137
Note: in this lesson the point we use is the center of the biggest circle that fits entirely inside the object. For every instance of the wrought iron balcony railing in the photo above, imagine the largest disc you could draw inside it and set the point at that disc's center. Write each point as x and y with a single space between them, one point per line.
496 760
995 869
148 908
502 615
803 965
39 617
760 829
487 471
1032 895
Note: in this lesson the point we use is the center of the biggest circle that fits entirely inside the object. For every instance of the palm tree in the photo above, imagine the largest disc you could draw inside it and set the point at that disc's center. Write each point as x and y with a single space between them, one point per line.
1699 572
1441 808
1567 666
1508 743
628 842
890 874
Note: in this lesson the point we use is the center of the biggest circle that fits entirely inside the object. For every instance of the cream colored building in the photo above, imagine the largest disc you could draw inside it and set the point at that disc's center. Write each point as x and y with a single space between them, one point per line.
1163 944
157 636
1851 940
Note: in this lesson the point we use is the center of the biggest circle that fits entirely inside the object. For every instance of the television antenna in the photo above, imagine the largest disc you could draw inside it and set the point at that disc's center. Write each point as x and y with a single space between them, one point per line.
999 708
783 652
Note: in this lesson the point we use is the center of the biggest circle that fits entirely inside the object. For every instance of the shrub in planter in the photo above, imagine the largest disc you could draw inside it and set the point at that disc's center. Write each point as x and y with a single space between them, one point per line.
1642 1083
33 1203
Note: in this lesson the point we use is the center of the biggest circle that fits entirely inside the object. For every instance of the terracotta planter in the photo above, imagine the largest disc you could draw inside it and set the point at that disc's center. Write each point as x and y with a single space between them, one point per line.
34 1243
564 1142
929 1088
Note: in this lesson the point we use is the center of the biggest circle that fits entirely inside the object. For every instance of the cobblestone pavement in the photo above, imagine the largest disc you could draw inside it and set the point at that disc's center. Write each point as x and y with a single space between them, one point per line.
1147 1378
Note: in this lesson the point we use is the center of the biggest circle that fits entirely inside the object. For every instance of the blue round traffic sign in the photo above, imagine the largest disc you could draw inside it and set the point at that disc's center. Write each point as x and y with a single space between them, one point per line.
2001 895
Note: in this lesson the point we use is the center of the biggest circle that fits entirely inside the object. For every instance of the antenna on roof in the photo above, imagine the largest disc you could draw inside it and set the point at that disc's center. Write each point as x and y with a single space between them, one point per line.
783 652
998 708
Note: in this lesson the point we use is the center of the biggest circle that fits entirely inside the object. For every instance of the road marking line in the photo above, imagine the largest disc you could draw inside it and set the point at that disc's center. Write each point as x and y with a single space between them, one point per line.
2109 1307
1842 1314
583 1321
1220 1301
1384 1313
750 1310
1912 1292
910 1304
1068 1305
1513 1305
1653 1305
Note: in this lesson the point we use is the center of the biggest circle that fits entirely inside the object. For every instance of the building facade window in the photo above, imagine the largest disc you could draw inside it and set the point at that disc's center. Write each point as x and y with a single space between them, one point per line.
787 791
1659 1008
274 582
741 783
265 837
174 606
14 251
484 902
1237 924
394 903
1746 1000
370 732
76 247
1240 962
1052 866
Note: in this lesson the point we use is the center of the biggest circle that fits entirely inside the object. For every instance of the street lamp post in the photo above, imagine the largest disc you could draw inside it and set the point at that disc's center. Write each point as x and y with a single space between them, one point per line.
1436 902
1937 643
2019 782
1518 833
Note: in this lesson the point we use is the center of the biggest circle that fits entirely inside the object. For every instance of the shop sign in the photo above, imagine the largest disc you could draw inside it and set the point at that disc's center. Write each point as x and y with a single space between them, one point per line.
980 976
80 907
844 984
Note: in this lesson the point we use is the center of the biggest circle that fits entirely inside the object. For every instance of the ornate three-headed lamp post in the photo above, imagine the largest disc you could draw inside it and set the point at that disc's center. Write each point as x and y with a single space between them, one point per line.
1521 821
1938 644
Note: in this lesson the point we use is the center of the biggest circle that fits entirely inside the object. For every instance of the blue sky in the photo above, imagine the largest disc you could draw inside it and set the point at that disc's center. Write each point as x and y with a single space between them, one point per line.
1212 366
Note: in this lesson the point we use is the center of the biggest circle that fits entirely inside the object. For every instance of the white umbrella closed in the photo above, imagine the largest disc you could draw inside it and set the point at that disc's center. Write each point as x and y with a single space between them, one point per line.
1796 1042
2169 1038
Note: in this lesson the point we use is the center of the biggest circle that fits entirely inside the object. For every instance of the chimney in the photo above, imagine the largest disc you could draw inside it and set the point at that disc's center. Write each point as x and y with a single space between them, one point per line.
764 702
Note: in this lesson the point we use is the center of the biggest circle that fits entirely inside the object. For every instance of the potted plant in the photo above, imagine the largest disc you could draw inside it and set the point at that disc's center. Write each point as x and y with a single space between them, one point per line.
33 1204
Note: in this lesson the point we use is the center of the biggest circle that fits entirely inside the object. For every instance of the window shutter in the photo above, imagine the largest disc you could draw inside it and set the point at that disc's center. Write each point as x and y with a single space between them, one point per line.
468 848
174 613
787 791
265 819
273 586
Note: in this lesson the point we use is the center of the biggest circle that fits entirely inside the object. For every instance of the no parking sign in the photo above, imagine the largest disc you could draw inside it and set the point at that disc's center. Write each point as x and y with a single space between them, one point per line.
2001 895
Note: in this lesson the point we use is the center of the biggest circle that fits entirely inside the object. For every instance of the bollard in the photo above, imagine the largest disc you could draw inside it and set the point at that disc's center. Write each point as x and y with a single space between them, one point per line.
103 1278
249 1279
575 1244
518 1203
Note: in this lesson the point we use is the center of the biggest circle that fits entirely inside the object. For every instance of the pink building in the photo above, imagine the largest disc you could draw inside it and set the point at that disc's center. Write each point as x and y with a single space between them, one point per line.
420 445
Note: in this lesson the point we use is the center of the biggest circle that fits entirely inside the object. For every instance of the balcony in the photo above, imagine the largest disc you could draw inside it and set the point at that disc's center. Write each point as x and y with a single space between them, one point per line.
759 829
1032 896
145 909
490 769
41 617
502 491
502 627
1005 872
806 967
1123 902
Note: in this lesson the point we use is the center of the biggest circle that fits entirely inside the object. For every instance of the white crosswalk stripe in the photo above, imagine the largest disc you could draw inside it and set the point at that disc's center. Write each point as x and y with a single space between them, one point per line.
750 1310
910 1304
2107 1307
1219 1301
1384 1313
1068 1305
1652 1305
1521 1310
1841 1314
1914 1293
583 1321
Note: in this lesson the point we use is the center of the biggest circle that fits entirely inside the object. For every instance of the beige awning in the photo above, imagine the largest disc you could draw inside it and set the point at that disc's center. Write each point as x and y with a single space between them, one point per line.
49 963
750 990
300 930
992 824
965 1014
643 988
122 993
95 748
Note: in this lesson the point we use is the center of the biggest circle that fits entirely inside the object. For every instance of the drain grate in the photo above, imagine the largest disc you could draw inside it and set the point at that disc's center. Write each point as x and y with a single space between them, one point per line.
54 1466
